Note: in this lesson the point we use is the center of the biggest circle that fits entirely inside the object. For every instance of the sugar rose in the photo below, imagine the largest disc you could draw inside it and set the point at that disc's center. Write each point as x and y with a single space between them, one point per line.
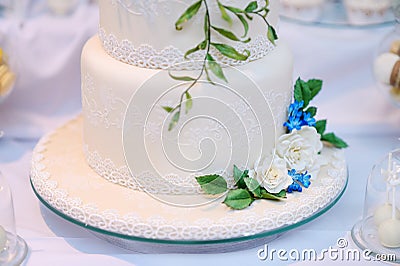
300 148
273 177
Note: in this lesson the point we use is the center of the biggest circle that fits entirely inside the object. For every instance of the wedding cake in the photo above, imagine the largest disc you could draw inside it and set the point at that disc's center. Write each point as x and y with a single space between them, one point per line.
137 40
188 105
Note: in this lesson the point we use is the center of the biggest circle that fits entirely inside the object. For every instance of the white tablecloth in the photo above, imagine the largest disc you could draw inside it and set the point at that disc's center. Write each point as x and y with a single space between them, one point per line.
47 94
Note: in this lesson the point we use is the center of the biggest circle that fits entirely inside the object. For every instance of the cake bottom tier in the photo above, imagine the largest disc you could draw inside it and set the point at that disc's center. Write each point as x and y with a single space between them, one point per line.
65 183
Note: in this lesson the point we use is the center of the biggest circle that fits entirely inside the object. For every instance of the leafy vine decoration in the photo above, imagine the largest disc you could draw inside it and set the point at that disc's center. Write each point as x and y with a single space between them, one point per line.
209 64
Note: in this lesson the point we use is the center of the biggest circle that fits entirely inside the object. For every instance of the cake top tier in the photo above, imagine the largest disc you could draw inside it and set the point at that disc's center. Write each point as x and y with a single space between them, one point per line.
143 32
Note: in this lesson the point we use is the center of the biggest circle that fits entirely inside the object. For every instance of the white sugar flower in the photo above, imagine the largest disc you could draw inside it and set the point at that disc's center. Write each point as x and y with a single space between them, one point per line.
300 148
273 177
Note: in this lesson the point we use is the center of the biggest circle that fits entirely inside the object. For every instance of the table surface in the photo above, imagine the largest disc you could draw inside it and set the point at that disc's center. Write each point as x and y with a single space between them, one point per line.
45 52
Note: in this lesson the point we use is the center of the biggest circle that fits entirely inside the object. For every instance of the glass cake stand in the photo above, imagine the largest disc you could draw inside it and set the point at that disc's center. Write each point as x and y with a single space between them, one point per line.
147 245
333 14
63 181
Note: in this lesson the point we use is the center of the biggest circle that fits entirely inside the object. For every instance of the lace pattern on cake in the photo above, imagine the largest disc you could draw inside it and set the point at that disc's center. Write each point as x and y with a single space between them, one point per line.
158 227
145 181
148 181
108 111
172 58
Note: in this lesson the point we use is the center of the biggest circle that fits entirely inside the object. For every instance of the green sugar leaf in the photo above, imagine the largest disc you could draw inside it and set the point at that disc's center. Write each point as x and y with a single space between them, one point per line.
230 35
189 101
212 184
188 14
251 7
312 110
215 68
199 47
238 176
253 186
231 52
174 121
248 16
208 76
234 10
169 109
315 86
224 14
273 196
226 33
271 34
238 199
245 25
334 140
302 92
181 78
320 126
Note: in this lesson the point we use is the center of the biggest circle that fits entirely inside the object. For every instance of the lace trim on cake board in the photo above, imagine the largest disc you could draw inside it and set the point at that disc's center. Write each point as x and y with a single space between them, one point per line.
156 227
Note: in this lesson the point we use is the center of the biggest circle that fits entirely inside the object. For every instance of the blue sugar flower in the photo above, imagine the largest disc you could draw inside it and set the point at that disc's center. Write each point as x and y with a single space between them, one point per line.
293 123
308 120
299 178
304 179
295 107
295 116
294 187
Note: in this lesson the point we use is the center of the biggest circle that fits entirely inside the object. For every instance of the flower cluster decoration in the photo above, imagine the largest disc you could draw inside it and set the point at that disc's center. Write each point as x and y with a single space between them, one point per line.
297 159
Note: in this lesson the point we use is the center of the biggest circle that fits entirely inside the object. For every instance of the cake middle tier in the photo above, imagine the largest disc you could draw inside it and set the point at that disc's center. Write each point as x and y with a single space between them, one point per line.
127 138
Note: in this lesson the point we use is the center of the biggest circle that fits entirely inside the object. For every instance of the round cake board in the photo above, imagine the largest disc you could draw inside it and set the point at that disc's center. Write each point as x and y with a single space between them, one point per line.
135 220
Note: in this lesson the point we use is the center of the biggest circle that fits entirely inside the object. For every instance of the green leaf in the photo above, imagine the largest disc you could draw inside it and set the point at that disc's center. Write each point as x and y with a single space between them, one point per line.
238 176
224 14
334 140
248 16
226 33
238 199
302 92
320 126
253 186
189 101
234 9
315 86
271 34
169 109
212 184
188 14
231 52
244 23
208 77
174 121
199 47
251 7
206 27
182 78
273 196
312 110
215 68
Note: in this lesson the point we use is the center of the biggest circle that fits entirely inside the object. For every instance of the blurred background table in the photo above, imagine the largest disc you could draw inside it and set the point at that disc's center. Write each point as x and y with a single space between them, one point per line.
45 51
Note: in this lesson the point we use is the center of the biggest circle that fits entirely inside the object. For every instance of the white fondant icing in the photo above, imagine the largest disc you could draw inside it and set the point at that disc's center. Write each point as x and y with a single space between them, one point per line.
108 84
127 25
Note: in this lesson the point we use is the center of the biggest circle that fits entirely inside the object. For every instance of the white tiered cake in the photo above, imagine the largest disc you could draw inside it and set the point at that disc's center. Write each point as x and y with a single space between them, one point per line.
149 148
136 42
